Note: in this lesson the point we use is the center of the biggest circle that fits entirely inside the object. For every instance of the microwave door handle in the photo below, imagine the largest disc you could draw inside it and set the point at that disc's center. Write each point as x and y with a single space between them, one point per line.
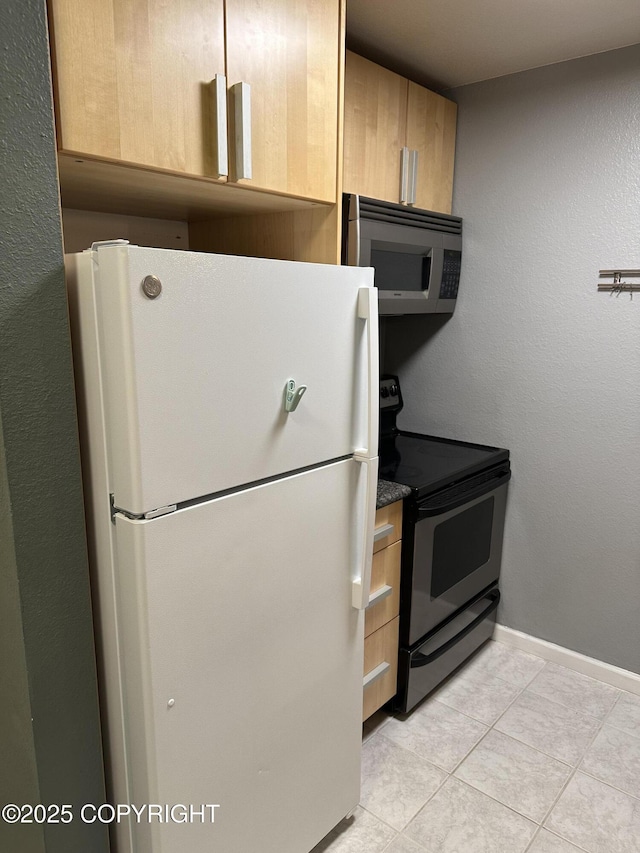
435 276
353 246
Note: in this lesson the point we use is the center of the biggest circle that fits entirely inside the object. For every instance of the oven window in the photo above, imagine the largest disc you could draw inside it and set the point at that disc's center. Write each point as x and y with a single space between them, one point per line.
401 270
460 546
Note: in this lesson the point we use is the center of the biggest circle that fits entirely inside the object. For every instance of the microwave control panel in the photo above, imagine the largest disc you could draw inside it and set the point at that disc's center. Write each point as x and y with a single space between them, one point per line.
450 274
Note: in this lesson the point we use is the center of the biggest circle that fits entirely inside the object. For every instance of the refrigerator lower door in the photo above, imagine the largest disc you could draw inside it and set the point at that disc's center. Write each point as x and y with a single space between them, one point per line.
241 659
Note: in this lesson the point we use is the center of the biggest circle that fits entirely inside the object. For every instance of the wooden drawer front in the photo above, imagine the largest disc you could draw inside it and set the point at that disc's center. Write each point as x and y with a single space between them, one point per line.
388 515
385 574
380 648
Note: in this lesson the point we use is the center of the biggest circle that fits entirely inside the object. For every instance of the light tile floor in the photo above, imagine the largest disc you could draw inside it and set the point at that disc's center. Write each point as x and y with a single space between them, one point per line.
512 754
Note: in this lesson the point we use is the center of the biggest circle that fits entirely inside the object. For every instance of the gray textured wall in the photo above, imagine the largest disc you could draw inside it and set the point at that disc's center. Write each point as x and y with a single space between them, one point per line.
535 359
49 729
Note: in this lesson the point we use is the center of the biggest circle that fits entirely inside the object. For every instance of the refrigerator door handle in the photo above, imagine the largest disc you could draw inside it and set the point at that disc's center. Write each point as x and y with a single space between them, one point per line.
361 588
368 311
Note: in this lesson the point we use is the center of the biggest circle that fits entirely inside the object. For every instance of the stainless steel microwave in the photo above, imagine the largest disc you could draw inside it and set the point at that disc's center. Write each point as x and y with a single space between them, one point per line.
416 254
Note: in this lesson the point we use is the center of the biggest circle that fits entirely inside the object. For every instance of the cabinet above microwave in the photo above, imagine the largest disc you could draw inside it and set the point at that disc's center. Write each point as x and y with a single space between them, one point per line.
416 254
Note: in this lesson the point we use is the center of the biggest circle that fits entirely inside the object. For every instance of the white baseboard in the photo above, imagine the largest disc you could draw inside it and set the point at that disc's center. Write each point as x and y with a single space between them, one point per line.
621 678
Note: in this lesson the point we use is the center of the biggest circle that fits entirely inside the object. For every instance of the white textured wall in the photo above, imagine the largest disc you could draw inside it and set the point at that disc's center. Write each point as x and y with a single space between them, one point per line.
535 359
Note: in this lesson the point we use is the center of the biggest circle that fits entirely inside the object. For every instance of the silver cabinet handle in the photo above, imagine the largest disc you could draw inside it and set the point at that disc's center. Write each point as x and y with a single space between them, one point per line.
381 532
222 153
404 175
413 176
376 673
242 97
379 595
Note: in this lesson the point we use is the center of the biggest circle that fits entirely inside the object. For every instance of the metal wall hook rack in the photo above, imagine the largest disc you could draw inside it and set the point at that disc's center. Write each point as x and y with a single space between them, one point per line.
617 285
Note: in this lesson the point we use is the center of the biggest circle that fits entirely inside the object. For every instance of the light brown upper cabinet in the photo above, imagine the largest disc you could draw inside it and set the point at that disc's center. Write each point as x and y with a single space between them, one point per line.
288 52
133 80
384 114
154 83
431 131
375 128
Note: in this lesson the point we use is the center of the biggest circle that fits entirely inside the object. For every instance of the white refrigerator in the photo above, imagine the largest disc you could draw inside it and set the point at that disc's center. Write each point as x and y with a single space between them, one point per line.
228 410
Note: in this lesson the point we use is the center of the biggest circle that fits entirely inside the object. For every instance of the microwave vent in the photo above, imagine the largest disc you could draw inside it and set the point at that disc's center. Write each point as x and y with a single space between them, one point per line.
388 212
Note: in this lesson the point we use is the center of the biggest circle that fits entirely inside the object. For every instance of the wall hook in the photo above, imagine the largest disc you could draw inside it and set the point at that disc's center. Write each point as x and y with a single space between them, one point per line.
617 285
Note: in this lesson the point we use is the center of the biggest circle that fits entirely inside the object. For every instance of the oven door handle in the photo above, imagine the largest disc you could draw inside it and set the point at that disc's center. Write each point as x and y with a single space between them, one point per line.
428 508
422 660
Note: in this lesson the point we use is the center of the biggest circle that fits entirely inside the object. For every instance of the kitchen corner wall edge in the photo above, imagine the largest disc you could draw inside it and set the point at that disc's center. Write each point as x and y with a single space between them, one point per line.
623 679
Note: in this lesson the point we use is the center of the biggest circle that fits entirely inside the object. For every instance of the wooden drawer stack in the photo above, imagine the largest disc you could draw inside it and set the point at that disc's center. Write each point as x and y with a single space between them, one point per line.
381 618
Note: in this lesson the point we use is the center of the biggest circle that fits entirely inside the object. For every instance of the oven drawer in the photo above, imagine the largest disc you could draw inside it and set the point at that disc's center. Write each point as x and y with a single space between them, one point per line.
422 668
380 667
385 588
388 527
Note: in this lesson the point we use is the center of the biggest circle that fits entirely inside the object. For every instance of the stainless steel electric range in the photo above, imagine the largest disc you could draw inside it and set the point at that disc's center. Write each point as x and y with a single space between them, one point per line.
453 525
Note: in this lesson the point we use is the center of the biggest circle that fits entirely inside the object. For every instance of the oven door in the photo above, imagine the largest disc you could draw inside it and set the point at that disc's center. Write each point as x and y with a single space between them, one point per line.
452 551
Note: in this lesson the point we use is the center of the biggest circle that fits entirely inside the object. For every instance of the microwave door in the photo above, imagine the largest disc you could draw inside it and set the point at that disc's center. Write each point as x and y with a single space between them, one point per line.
407 277
408 264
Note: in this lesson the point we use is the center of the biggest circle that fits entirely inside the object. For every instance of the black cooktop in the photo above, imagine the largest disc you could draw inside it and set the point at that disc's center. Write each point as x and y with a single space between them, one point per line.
427 463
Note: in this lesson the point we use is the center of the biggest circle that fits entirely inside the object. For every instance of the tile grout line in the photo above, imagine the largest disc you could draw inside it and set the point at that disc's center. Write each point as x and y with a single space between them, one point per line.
431 796
564 705
571 776
448 774
608 784
492 728
555 835
484 722
573 769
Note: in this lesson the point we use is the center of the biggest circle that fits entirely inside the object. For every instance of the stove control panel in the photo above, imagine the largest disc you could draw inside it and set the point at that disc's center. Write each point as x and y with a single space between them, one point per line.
390 395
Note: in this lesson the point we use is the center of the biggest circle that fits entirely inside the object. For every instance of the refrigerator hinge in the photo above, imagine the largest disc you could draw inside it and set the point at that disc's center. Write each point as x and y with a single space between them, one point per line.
96 244
153 513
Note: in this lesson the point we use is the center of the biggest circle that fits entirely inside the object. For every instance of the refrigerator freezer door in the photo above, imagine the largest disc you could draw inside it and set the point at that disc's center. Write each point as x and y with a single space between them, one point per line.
242 663
198 362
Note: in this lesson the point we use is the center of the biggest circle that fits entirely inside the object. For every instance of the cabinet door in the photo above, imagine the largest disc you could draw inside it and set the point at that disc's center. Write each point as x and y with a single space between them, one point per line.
133 80
380 681
375 109
431 131
288 53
